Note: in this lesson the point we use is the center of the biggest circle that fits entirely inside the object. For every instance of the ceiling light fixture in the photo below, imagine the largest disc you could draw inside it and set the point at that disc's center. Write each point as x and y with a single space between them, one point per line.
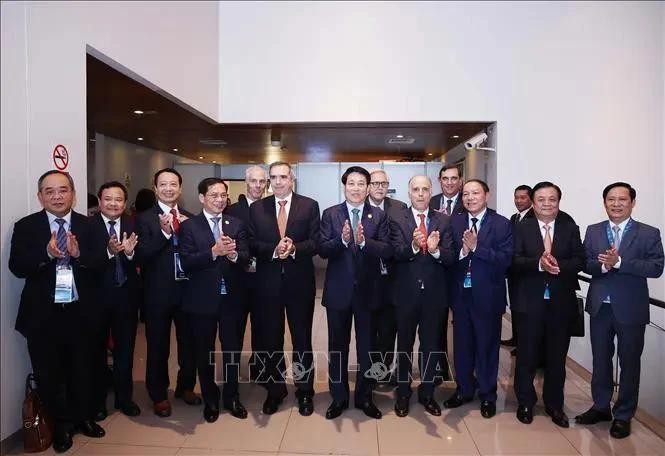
140 138
214 161
201 157
138 112
175 150
399 136
430 154
455 136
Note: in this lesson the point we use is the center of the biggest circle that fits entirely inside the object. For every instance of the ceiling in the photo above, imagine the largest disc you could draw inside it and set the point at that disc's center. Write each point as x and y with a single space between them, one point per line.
166 126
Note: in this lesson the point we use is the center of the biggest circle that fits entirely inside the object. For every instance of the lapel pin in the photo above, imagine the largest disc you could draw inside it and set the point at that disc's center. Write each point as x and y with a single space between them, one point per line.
369 216
226 222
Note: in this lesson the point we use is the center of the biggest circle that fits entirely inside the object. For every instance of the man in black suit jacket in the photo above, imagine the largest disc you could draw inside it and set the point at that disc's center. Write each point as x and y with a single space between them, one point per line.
157 253
548 256
449 201
214 254
59 322
256 180
384 324
422 246
118 295
522 200
284 233
354 236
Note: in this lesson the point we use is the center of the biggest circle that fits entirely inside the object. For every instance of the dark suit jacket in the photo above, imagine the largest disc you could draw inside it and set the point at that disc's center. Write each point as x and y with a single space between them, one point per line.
28 260
202 291
351 268
512 277
458 208
154 253
413 270
641 252
529 214
489 262
239 210
566 248
302 227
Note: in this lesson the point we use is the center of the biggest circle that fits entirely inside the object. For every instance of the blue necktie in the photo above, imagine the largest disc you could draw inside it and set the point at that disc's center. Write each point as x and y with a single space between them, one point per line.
120 276
354 223
61 240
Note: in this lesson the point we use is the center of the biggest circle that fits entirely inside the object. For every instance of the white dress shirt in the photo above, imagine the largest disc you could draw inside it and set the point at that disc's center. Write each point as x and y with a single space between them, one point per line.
444 202
521 215
415 213
167 210
118 232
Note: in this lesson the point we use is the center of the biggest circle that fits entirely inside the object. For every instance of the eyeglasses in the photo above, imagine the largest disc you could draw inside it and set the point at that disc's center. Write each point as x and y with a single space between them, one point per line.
379 184
214 196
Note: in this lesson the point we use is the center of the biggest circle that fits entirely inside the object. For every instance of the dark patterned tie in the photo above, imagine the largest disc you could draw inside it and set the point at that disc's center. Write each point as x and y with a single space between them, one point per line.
449 208
120 276
61 240
474 227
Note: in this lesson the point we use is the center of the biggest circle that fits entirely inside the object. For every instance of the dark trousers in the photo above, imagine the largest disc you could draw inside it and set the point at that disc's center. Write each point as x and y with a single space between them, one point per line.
300 314
62 356
630 343
477 340
339 338
120 319
158 337
204 333
424 317
443 369
545 328
384 327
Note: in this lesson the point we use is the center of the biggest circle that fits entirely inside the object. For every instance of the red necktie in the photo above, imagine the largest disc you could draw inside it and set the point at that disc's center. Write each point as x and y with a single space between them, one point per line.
423 229
176 222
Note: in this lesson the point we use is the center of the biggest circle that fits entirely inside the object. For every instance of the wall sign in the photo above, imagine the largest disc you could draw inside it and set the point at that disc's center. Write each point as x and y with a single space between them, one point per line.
60 157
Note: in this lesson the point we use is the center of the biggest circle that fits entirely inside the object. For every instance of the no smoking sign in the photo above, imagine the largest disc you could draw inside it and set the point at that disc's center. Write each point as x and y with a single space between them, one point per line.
60 157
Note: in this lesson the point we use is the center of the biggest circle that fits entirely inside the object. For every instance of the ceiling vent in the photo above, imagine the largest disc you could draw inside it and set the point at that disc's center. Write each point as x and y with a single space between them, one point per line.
213 142
406 140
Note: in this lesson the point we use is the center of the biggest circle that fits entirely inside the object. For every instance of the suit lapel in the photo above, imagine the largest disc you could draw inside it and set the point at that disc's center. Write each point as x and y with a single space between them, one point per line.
410 221
293 213
629 237
485 226
204 226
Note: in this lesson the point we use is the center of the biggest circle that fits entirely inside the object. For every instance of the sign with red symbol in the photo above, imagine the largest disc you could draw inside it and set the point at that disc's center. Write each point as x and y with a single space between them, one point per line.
60 157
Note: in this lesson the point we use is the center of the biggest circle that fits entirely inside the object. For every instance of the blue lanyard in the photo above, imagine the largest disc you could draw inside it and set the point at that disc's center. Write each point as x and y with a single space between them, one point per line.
610 233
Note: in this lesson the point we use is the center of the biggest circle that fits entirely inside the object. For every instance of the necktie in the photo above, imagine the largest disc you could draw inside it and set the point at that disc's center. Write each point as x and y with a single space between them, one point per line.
176 222
617 236
215 227
120 275
422 227
474 226
354 223
281 218
547 240
449 205
61 240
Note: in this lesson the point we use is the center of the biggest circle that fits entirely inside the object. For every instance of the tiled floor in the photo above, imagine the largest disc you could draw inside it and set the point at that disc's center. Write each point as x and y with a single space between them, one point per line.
460 432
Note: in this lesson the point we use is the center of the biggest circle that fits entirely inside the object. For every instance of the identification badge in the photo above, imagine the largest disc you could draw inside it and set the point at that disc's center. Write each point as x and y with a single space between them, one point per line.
251 267
382 267
179 272
467 280
547 292
222 287
64 284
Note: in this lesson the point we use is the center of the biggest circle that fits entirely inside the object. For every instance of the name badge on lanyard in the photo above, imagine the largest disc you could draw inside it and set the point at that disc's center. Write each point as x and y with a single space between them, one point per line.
64 284
467 276
222 287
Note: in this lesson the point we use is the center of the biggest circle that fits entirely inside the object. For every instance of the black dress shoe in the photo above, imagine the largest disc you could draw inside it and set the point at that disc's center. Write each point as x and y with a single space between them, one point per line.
305 406
456 400
236 408
62 441
128 408
509 342
620 429
336 409
211 412
430 405
369 409
558 417
488 409
91 429
271 404
189 396
101 414
402 406
593 416
525 414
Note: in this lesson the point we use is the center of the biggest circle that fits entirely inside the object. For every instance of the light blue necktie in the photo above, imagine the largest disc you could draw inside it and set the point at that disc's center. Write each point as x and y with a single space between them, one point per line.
215 227
617 236
354 222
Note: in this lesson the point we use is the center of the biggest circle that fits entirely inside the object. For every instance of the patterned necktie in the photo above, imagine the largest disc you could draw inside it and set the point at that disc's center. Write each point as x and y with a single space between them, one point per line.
422 227
176 222
547 240
617 236
120 276
281 218
61 241
215 227
354 223
474 226
449 207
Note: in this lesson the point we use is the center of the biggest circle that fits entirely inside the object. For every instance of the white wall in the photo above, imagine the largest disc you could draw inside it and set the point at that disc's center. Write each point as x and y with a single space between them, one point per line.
44 104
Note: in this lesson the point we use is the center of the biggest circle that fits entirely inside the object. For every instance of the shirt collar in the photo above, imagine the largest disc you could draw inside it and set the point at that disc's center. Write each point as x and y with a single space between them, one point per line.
415 212
480 216
523 213
445 199
107 220
67 217
208 216
541 224
288 199
622 225
350 207
166 209
249 201
381 205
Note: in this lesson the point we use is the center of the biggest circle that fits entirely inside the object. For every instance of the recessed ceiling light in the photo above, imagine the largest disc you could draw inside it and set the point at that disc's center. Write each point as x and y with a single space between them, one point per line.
430 154
455 136
214 161
399 136
201 157
251 161
139 138
138 111
175 149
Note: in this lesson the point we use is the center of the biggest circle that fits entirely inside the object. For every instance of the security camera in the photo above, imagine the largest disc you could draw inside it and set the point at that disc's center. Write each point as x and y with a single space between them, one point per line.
476 141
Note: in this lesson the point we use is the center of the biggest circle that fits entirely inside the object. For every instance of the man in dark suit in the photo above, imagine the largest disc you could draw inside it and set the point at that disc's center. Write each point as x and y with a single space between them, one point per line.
522 200
118 296
164 280
256 180
449 201
284 233
354 236
422 246
384 325
214 253
548 256
54 252
483 244
621 254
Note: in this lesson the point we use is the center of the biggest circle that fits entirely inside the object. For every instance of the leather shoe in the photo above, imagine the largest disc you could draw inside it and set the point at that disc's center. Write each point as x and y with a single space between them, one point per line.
305 406
162 408
336 409
189 396
236 408
101 414
430 405
211 412
593 416
128 408
369 409
509 342
62 440
456 400
620 429
402 406
271 404
488 409
91 429
558 417
525 414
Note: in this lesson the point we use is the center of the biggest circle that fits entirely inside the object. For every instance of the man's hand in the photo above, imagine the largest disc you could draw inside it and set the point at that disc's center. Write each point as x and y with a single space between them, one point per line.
419 241
346 231
360 233
224 246
549 264
52 247
73 245
114 246
609 258
289 248
165 222
433 242
281 248
129 243
470 240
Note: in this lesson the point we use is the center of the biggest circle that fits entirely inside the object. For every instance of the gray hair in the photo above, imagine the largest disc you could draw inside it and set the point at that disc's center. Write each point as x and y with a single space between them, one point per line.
255 168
